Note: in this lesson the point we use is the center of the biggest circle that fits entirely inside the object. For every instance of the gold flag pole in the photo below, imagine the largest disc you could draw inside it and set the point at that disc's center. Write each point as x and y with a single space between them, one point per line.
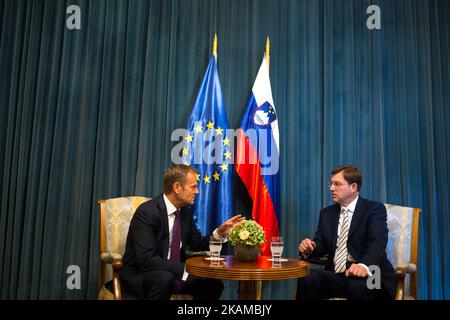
267 53
214 51
267 56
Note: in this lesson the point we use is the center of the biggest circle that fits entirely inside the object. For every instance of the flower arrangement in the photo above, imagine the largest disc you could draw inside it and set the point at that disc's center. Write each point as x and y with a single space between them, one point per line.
247 232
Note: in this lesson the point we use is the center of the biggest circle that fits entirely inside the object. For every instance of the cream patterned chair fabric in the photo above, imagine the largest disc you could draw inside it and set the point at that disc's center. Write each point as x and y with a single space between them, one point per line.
116 214
402 247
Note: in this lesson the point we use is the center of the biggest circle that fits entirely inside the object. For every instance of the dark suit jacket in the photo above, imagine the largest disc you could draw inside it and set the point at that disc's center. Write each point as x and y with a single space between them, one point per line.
367 239
147 244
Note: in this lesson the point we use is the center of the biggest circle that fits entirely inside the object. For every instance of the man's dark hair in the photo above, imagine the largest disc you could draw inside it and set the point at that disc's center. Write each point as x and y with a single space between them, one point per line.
351 174
176 173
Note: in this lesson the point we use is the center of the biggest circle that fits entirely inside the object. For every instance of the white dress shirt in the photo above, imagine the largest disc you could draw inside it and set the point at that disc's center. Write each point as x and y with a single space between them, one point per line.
350 211
171 209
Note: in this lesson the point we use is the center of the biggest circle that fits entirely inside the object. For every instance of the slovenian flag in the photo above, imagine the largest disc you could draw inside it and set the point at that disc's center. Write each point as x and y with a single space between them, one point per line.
257 156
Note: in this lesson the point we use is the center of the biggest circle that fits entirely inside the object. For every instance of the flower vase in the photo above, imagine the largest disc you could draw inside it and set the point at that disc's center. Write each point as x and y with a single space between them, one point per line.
246 253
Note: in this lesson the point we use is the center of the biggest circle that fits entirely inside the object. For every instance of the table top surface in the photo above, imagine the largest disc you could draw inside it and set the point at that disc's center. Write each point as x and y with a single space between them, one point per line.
232 269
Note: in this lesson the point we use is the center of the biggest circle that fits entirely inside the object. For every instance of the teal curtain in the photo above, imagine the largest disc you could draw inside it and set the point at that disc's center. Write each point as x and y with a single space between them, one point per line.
87 114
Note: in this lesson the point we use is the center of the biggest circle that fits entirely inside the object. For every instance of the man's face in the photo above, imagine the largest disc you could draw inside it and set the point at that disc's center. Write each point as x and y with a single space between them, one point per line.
341 191
186 193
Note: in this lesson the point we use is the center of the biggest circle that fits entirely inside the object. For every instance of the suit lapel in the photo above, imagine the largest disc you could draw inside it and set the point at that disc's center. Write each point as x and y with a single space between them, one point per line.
334 224
356 215
183 224
164 225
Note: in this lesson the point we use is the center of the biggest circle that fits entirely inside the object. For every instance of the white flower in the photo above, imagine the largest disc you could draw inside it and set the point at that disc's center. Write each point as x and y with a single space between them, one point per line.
244 234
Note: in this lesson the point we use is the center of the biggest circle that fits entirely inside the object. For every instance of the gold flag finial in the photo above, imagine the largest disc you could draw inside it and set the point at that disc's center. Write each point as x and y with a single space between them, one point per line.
214 51
267 52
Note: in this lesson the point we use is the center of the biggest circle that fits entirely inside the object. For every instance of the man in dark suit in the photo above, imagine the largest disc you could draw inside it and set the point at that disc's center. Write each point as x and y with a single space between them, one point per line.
353 233
159 233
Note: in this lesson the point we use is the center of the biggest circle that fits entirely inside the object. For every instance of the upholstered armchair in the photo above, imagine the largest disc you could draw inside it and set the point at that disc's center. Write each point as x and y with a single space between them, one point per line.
401 249
115 217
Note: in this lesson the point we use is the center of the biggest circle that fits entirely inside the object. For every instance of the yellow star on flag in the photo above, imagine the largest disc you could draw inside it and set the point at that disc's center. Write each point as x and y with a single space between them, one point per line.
227 155
224 166
197 176
188 138
198 128
226 141
206 179
216 176
185 151
219 130
187 164
210 125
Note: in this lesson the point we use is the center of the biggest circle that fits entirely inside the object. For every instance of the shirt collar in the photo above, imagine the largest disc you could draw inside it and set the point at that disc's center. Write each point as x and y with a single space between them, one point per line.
351 207
170 207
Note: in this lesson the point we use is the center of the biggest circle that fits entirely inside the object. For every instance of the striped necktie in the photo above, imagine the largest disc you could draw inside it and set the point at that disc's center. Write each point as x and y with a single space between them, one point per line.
341 246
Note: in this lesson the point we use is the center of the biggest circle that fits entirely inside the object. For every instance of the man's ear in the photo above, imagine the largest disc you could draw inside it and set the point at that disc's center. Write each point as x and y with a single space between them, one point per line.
176 187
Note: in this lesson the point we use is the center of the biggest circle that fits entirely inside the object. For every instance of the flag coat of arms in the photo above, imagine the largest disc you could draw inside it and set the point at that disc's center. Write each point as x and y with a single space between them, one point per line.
257 156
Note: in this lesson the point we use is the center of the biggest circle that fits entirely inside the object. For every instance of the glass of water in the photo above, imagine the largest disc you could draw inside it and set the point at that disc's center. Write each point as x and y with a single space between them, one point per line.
276 246
215 246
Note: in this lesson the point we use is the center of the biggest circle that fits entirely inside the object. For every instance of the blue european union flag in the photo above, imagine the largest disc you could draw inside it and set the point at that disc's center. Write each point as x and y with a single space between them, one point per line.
208 147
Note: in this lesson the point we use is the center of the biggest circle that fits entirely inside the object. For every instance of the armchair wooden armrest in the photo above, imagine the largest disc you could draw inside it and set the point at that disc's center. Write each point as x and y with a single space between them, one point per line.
318 260
109 257
115 260
190 254
400 272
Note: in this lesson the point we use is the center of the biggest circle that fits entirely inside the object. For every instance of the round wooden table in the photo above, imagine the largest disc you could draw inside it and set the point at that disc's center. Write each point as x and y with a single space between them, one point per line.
249 274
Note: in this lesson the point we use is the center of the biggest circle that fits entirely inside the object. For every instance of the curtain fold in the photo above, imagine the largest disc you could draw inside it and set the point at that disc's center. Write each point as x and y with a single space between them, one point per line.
88 114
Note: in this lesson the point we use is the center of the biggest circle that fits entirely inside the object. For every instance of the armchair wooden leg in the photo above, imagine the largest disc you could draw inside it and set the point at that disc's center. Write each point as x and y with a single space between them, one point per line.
399 293
117 264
